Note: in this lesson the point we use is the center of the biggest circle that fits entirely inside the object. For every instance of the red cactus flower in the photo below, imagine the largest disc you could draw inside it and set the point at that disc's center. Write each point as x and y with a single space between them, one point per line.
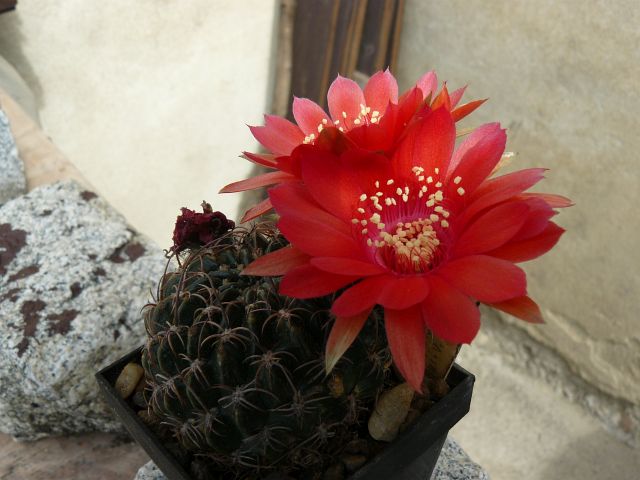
424 234
195 229
373 120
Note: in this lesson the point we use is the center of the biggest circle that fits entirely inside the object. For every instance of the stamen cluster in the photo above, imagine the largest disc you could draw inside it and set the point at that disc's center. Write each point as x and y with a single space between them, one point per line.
404 221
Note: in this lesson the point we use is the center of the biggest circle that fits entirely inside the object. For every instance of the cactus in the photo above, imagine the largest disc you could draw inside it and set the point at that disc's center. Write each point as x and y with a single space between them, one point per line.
236 371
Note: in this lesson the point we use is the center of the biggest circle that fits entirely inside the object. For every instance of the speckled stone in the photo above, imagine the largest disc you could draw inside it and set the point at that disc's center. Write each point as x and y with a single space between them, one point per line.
453 464
12 180
149 471
73 279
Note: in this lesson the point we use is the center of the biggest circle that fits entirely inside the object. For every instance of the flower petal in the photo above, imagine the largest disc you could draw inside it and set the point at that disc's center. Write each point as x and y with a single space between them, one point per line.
554 201
344 331
485 278
309 282
451 315
398 119
537 219
309 116
309 227
259 209
522 307
365 168
345 98
263 180
265 159
499 189
360 297
373 137
329 184
530 248
428 83
491 229
344 266
510 184
390 291
333 140
475 158
428 145
318 239
278 135
405 331
294 200
402 292
276 263
466 109
381 89
442 100
456 96
409 104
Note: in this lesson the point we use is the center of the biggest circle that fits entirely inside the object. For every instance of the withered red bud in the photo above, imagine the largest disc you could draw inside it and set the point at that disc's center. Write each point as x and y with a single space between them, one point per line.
194 229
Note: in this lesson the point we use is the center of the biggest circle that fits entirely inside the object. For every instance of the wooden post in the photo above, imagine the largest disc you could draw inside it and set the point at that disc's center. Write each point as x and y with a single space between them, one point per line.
7 5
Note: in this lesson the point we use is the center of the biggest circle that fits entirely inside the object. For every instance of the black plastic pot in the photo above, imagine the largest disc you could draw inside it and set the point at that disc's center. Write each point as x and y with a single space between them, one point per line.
412 456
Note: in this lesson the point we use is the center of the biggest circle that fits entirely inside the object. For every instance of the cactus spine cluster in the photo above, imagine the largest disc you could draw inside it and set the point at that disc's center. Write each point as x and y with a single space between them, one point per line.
236 371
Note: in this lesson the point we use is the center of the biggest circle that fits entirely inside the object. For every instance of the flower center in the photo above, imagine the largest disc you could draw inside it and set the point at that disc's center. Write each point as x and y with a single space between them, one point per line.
405 222
411 248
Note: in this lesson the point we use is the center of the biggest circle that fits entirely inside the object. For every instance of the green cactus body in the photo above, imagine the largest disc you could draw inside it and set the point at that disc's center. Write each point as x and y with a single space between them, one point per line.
236 371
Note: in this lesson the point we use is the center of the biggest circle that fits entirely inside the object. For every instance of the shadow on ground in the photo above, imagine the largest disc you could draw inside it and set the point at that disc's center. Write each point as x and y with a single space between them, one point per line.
593 456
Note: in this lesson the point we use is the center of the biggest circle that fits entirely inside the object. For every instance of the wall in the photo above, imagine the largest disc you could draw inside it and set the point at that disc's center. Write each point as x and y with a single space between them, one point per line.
148 98
563 78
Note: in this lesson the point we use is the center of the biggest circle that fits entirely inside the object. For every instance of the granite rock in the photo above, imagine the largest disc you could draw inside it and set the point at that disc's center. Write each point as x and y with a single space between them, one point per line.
12 180
453 464
149 471
73 279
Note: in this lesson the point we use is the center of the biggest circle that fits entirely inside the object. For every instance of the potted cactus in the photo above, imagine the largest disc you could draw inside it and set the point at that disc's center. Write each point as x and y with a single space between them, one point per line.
299 349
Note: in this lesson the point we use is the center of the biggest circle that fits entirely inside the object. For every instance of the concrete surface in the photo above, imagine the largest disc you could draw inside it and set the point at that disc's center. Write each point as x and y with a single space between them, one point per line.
563 77
149 99
97 456
13 83
522 427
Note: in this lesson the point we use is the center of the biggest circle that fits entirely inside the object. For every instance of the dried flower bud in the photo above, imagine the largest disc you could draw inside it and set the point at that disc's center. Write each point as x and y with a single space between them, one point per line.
195 229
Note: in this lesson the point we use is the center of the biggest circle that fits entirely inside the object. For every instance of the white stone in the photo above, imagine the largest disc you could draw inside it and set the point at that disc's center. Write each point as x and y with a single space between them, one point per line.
12 180
149 471
455 464
73 279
